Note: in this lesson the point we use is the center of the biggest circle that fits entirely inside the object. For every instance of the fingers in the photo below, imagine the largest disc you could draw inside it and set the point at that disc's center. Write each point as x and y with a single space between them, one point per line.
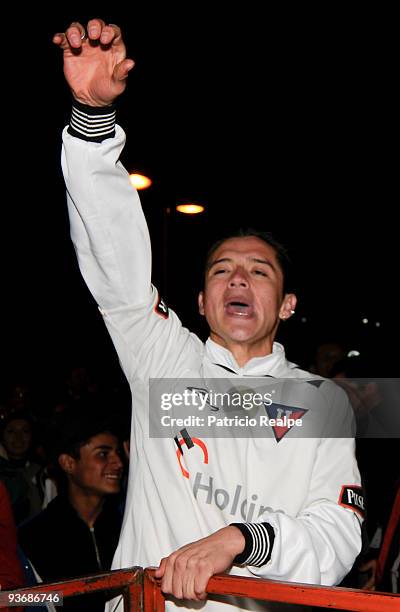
116 30
369 565
184 576
198 574
97 30
159 573
187 581
169 583
122 69
369 585
59 39
106 34
74 35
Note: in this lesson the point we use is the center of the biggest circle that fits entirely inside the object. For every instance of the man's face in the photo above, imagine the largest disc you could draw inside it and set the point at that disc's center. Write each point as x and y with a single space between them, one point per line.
98 471
243 296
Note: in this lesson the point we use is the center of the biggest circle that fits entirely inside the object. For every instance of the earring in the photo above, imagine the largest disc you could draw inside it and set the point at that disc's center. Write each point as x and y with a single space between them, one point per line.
292 311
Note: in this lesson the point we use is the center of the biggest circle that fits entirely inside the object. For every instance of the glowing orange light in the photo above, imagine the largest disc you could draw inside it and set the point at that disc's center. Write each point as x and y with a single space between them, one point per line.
139 181
190 209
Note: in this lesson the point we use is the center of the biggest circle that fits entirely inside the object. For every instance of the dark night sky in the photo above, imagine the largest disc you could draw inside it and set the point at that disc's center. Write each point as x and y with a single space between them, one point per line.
281 122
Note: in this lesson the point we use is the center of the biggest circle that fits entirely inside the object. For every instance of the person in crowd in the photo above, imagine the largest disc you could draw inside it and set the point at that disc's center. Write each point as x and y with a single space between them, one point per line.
11 571
327 354
78 531
375 401
20 473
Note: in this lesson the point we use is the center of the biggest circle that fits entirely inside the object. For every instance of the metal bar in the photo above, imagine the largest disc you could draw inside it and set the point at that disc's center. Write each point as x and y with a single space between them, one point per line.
135 590
352 600
114 580
338 598
153 599
388 537
145 593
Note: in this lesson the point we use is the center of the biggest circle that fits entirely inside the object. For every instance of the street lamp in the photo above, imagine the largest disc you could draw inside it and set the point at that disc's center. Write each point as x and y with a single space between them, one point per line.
190 209
140 181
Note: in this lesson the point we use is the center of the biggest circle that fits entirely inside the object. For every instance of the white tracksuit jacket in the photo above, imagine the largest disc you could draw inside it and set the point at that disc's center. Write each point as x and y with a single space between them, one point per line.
295 484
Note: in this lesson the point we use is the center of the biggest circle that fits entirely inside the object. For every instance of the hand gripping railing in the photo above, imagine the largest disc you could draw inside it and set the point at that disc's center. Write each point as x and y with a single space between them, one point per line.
142 593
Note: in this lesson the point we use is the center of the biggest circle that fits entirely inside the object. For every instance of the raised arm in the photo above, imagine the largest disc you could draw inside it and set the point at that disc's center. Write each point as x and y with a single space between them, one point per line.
108 228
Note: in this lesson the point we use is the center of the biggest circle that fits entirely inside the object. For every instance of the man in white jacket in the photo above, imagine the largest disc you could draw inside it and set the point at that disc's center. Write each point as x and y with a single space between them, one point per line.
282 505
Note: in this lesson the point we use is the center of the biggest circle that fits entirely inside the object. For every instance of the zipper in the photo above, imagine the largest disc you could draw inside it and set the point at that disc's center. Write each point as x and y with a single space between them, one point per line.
95 547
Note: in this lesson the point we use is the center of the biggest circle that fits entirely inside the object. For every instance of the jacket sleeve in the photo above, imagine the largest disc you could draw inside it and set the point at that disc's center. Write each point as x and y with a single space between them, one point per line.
112 243
108 228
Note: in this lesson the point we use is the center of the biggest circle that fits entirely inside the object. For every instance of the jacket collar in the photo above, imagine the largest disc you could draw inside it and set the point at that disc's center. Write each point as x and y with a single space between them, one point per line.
274 364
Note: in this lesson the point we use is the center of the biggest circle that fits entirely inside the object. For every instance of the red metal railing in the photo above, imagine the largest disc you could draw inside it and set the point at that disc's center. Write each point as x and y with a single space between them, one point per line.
126 582
336 598
388 537
141 592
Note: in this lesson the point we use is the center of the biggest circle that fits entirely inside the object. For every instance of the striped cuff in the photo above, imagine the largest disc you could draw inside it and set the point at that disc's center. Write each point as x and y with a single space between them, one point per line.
92 123
259 538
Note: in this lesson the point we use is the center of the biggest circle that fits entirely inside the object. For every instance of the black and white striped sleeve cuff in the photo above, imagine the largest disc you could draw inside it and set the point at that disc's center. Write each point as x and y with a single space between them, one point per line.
92 123
259 538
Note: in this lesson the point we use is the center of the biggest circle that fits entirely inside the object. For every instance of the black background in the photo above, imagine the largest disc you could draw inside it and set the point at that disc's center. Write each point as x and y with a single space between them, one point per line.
279 120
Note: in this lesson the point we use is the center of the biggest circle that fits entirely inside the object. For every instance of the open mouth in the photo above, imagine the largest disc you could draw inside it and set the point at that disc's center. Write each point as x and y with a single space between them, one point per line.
239 308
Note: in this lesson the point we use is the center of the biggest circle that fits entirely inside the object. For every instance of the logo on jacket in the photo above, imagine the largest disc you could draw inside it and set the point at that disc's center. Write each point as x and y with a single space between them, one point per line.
281 415
190 443
233 501
161 308
351 496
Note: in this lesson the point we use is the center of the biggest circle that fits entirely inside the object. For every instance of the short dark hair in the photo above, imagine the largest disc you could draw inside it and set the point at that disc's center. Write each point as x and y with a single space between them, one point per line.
281 251
76 425
68 431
